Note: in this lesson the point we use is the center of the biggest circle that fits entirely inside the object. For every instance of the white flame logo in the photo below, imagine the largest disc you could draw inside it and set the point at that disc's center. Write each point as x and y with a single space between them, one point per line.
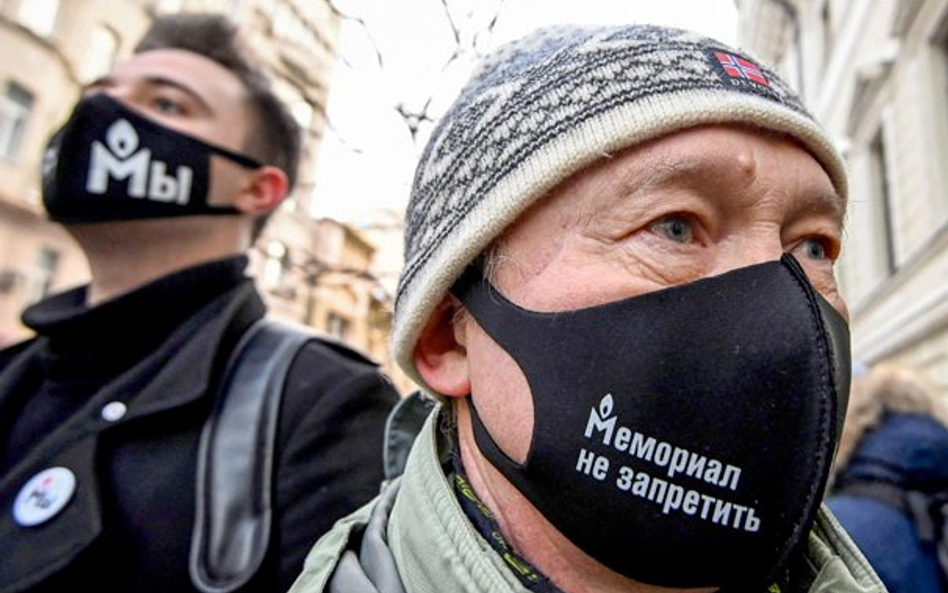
122 139
605 406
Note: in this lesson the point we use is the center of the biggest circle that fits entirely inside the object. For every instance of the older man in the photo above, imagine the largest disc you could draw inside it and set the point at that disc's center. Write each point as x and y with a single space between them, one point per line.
619 284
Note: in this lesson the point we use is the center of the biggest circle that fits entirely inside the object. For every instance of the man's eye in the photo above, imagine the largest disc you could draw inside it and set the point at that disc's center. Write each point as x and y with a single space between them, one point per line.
813 249
165 105
676 228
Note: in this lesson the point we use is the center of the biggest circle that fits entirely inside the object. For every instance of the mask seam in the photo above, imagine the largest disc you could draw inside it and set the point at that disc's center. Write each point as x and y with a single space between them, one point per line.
826 378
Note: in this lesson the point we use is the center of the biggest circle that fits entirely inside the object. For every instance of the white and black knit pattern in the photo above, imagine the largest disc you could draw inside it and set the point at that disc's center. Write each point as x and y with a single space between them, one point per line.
542 108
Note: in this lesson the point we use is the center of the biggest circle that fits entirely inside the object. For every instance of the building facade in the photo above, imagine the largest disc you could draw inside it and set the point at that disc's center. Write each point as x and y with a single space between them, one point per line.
311 271
875 72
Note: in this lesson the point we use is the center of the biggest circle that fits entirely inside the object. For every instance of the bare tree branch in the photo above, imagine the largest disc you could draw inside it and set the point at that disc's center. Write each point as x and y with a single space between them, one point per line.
362 24
342 138
454 28
463 45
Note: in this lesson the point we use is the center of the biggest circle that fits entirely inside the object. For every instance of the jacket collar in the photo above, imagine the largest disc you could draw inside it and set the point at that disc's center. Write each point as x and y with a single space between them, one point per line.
182 371
154 385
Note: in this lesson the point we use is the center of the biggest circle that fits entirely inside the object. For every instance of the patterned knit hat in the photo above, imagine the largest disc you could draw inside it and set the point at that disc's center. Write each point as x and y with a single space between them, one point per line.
541 109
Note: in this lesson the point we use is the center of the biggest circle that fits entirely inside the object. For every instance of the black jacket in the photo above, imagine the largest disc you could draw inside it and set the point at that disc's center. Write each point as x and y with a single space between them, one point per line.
129 524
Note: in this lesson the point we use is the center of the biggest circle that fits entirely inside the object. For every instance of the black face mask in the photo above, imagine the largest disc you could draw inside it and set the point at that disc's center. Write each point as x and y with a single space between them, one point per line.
682 438
110 163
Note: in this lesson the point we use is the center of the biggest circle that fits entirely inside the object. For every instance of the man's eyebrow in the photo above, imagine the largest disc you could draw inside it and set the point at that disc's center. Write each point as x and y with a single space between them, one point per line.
665 172
661 172
154 81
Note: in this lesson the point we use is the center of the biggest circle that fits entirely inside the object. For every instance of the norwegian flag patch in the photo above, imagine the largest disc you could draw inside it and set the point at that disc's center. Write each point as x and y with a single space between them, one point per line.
738 72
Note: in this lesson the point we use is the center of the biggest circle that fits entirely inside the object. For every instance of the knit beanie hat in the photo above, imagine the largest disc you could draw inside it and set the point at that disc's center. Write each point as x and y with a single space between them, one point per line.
542 108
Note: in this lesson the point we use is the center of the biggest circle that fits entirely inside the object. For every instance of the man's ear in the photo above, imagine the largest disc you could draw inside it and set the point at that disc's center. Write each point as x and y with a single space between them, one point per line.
263 191
441 353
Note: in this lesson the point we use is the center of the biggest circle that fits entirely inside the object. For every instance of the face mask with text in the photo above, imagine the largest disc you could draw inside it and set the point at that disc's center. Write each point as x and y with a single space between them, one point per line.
108 162
684 437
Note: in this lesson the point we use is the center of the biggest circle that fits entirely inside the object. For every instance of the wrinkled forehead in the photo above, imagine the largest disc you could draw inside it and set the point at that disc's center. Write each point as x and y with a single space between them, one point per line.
732 153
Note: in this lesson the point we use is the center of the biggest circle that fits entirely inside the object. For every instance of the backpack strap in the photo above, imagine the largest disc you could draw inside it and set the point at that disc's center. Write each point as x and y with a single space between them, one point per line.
937 505
235 459
887 492
402 425
927 509
941 537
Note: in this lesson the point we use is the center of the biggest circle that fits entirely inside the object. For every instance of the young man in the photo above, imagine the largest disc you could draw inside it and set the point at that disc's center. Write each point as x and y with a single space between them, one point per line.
122 465
619 285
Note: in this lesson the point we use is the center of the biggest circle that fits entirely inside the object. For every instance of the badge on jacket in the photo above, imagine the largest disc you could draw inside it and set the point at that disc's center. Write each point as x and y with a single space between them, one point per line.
44 496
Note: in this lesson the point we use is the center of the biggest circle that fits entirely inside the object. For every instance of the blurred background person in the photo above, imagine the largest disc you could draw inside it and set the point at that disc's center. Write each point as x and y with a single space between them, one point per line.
891 478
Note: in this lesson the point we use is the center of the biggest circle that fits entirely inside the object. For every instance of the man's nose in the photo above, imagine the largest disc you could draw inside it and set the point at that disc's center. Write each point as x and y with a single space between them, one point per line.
747 250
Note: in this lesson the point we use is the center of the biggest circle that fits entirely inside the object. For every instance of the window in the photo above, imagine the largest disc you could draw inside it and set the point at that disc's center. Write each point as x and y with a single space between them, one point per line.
41 278
39 16
882 204
290 26
337 325
826 22
16 104
275 266
103 46
167 6
236 6
302 111
935 106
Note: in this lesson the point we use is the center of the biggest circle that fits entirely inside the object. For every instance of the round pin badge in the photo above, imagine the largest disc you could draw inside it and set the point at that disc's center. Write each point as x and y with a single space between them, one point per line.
44 496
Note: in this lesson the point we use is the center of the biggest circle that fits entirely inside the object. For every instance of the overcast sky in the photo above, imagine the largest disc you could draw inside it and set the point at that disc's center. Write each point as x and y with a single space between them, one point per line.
367 158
